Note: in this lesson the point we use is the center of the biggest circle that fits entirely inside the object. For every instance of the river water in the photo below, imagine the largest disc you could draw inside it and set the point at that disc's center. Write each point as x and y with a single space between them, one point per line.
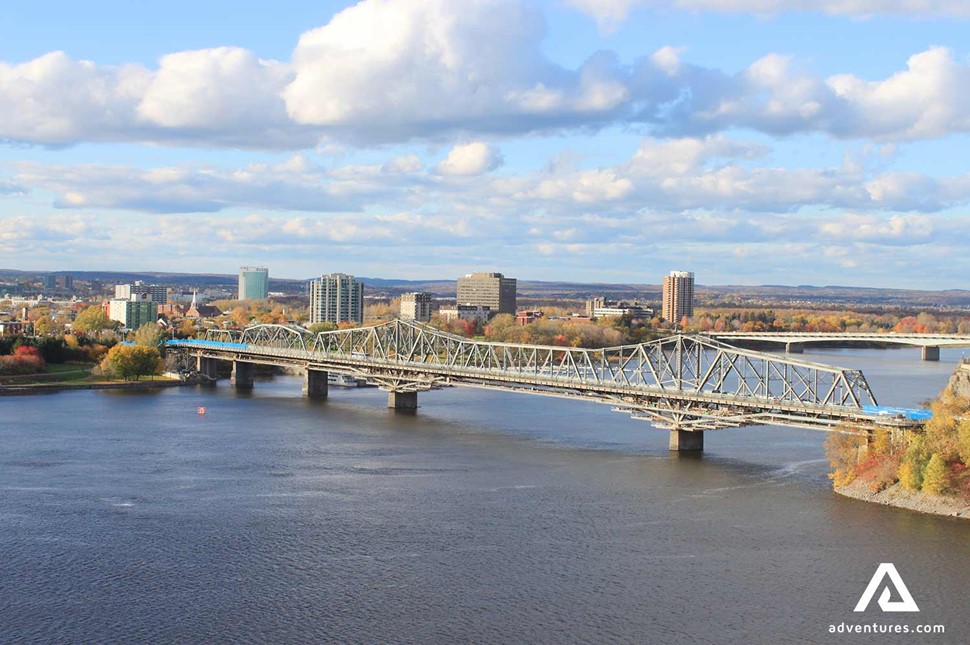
486 517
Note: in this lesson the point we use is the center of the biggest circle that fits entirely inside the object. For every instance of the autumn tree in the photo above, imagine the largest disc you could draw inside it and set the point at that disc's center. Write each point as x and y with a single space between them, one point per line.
936 479
843 450
44 326
914 463
240 315
132 361
91 320
150 335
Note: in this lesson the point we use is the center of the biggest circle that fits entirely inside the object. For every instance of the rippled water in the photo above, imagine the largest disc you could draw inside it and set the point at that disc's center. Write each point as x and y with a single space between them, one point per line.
486 517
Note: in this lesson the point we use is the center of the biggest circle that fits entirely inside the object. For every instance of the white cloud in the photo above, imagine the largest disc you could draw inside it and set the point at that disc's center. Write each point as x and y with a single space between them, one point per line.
711 174
437 70
473 158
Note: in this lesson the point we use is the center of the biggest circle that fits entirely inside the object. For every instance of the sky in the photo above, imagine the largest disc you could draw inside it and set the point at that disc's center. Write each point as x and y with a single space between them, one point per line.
750 141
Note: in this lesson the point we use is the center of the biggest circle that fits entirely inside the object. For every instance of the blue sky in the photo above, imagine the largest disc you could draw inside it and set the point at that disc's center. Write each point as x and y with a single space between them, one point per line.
751 141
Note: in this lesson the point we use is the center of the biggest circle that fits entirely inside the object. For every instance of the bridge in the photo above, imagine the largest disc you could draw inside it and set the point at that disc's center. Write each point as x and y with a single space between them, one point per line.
687 384
795 341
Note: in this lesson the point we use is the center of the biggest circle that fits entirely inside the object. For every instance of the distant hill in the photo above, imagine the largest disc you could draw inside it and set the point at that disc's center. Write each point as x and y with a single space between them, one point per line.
747 295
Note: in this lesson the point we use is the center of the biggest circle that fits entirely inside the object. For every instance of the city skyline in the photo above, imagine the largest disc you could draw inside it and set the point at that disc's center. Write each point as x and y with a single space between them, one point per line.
589 140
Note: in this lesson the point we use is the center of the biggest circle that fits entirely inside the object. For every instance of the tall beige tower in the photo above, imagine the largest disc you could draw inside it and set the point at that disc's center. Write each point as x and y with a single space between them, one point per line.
678 296
492 290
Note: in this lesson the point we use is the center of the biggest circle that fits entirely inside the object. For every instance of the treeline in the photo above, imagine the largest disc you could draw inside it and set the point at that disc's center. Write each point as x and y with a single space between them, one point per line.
562 332
65 348
933 461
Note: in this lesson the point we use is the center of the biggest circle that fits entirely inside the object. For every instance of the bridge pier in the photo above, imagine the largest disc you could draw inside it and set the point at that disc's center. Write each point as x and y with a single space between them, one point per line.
794 348
402 400
207 367
931 353
242 375
315 384
686 440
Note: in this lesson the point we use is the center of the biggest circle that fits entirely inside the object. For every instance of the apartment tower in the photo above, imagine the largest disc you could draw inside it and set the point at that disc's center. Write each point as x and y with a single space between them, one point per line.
336 298
678 296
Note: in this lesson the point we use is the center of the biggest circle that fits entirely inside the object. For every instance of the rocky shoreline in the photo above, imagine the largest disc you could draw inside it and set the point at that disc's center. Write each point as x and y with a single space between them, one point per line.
899 497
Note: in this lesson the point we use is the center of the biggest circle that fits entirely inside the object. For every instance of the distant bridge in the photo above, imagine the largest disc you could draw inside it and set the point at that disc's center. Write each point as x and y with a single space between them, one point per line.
687 384
795 341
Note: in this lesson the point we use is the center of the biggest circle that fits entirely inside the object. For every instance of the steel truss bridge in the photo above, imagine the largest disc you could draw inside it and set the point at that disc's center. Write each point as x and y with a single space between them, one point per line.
683 383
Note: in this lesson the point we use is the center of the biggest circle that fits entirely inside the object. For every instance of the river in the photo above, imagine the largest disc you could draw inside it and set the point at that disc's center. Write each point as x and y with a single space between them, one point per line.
486 517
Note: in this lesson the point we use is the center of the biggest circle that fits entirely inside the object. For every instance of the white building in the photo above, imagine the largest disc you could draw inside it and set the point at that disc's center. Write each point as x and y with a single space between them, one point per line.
336 298
133 312
465 312
416 306
155 293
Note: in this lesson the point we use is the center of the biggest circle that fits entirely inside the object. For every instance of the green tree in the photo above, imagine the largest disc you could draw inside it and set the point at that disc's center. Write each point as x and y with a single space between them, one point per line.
316 328
936 477
150 335
132 361
91 320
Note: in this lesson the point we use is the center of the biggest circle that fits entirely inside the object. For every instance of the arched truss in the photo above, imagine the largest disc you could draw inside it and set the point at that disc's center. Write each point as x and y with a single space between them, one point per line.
279 336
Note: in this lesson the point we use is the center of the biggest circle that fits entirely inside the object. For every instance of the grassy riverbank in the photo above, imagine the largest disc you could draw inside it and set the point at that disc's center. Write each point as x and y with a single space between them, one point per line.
75 376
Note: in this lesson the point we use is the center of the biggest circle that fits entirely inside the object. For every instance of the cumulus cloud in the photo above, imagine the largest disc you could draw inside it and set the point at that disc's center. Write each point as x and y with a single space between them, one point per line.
395 71
610 13
470 159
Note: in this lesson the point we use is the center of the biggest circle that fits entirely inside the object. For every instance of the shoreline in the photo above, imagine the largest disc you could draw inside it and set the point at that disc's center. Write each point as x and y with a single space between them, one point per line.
898 497
50 388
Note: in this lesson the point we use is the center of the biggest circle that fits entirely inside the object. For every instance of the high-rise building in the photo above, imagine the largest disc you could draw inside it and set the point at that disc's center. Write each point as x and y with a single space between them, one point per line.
492 290
336 298
253 283
678 296
416 306
155 292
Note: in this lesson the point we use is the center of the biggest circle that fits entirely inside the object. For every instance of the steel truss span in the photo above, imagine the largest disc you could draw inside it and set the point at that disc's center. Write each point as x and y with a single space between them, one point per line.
681 382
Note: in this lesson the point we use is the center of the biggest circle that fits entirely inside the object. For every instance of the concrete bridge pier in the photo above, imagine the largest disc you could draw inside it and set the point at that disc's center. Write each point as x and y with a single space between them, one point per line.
686 440
794 348
931 353
402 400
207 367
315 384
242 375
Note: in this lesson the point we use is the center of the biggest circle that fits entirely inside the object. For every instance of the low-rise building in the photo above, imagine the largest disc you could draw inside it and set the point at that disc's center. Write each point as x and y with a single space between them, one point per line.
465 312
527 317
603 308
